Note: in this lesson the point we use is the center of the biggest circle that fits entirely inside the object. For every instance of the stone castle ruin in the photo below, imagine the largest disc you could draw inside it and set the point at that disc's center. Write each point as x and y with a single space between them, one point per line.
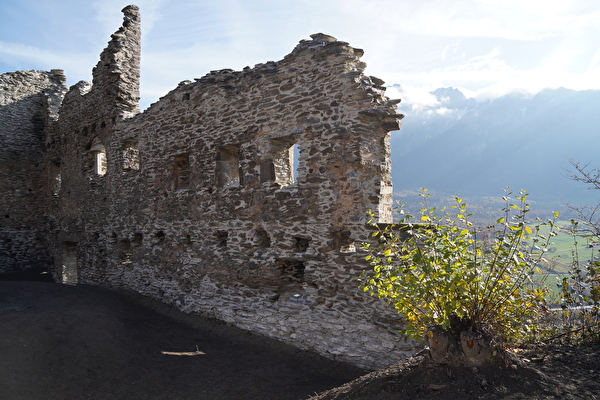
240 196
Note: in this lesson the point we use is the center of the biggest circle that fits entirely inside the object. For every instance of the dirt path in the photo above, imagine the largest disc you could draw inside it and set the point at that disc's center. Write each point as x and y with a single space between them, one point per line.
87 342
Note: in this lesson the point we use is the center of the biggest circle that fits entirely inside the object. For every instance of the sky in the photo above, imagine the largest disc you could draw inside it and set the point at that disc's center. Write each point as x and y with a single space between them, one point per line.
485 48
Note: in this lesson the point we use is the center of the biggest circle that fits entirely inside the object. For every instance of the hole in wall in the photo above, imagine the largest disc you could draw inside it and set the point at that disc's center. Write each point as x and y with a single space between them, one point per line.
267 170
221 238
160 236
291 270
68 269
301 244
126 253
281 163
343 242
227 169
56 179
180 172
138 239
261 238
98 150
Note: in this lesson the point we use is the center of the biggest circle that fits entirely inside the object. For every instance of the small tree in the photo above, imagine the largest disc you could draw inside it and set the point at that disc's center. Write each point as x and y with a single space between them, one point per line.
580 289
461 287
588 216
580 296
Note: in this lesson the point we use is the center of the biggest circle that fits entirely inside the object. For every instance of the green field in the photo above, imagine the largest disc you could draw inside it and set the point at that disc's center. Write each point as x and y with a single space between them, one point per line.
562 249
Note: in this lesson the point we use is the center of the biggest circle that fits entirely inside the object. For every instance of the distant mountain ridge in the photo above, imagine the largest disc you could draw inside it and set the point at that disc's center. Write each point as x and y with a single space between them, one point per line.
464 146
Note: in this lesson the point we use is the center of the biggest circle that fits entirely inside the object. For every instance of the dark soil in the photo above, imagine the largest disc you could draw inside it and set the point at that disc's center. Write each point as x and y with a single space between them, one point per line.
88 342
543 372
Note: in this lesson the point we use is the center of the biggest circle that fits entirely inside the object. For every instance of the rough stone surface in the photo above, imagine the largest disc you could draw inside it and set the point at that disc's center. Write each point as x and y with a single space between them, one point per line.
198 201
29 100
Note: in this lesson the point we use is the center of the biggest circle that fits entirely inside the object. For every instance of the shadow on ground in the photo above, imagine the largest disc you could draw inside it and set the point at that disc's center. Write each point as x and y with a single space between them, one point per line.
76 342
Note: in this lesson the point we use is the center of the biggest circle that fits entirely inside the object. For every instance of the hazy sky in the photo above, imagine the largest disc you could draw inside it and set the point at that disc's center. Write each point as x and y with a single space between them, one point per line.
484 47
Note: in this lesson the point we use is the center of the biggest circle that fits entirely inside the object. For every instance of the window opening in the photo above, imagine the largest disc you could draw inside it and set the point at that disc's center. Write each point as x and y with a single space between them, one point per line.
295 154
262 238
56 179
131 155
343 242
227 171
267 170
301 244
180 172
126 252
291 270
99 152
221 238
160 237
69 272
138 239
281 163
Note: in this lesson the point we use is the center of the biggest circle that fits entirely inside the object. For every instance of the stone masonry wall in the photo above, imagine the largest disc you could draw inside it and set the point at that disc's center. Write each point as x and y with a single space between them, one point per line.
28 100
241 196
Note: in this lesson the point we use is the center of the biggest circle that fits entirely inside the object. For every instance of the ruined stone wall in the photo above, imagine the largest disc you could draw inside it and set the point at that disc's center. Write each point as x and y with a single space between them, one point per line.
241 196
80 138
29 100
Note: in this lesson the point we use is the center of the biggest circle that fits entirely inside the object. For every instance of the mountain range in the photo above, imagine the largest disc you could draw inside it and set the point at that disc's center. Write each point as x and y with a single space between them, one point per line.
462 146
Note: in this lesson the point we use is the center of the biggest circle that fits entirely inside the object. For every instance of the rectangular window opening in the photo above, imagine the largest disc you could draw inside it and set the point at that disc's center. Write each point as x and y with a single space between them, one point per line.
301 244
100 161
180 172
138 239
291 270
221 237
69 271
56 179
343 242
228 170
282 162
126 252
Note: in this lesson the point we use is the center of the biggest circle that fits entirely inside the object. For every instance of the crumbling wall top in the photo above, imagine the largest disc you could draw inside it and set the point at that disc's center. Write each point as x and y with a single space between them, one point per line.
118 71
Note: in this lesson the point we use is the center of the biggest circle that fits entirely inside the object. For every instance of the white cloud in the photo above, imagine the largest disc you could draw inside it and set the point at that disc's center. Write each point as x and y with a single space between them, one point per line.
418 97
419 44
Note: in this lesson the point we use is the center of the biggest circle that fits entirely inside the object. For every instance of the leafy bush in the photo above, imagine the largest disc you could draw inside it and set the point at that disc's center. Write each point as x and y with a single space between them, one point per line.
439 269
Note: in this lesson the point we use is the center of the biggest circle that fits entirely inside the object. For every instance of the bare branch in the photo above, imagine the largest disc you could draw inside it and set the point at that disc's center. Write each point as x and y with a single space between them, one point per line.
589 176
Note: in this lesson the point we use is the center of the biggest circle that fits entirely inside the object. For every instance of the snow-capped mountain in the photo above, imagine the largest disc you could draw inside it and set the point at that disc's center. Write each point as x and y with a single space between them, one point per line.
462 146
